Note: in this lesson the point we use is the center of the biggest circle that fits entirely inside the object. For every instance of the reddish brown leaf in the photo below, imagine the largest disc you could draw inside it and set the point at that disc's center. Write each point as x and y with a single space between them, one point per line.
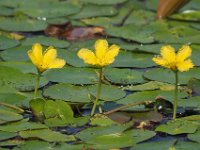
80 33
73 33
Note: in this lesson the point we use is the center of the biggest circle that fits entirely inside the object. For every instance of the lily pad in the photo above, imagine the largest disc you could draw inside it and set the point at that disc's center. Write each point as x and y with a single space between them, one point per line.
5 11
111 141
89 11
140 17
129 59
149 96
81 94
90 133
105 2
47 41
46 135
166 145
73 75
194 85
14 78
24 25
195 136
6 43
8 116
53 9
123 76
132 32
191 15
151 85
175 127
21 125
24 67
166 75
6 135
12 98
192 103
140 135
34 145
101 120
182 145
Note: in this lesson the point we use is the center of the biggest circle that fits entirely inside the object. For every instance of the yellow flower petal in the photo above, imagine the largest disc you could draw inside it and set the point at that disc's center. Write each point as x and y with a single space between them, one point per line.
35 54
88 56
49 56
160 61
101 47
185 66
183 53
111 54
168 53
57 63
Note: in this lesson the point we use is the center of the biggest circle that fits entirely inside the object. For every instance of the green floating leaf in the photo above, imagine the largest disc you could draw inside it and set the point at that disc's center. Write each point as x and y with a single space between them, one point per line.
195 136
64 146
108 92
166 75
37 107
140 17
7 89
148 96
175 127
8 116
60 109
192 103
6 135
12 98
149 48
92 132
89 11
101 120
12 142
151 85
15 54
129 59
183 145
21 125
25 67
194 85
152 116
177 34
187 16
14 78
123 76
47 41
74 60
111 141
81 94
104 2
24 25
6 43
132 32
34 145
140 135
5 11
166 145
45 9
73 75
46 135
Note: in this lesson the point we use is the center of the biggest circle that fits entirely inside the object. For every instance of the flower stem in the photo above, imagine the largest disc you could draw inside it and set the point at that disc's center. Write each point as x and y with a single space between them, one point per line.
98 92
37 84
175 95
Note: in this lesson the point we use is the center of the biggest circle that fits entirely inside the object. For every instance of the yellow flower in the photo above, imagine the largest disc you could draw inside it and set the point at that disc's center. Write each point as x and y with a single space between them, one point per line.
103 55
175 61
45 60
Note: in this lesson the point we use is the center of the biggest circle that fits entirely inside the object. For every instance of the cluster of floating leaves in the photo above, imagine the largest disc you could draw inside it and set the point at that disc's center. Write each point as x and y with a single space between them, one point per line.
65 95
